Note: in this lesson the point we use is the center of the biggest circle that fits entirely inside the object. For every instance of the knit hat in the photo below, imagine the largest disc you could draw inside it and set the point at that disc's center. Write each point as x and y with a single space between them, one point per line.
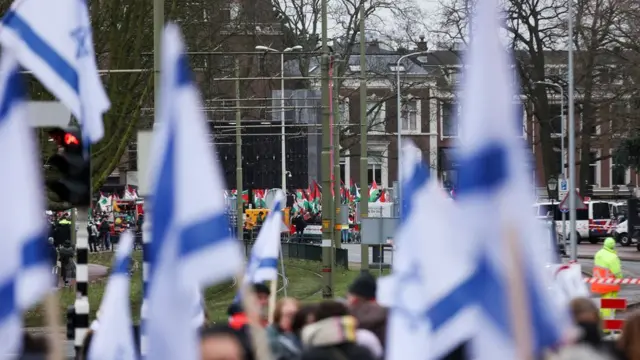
364 286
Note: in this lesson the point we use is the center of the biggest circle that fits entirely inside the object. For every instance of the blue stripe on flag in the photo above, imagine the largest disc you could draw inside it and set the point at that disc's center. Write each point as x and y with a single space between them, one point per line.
267 263
35 252
14 91
183 72
8 304
163 207
483 172
121 266
418 179
40 47
481 288
276 209
206 233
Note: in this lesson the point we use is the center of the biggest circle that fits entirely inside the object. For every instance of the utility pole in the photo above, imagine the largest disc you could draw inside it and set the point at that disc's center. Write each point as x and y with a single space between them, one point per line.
572 143
327 276
337 228
239 205
158 27
364 128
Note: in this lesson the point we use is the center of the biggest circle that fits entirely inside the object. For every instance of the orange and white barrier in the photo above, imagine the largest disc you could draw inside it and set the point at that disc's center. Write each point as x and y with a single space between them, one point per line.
626 281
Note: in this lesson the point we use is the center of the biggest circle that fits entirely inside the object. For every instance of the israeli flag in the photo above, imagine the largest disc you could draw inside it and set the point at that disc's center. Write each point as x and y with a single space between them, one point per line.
191 246
114 340
263 263
25 267
53 39
425 269
518 315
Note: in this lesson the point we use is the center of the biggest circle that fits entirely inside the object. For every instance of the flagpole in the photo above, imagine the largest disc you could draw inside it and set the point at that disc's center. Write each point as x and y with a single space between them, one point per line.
239 205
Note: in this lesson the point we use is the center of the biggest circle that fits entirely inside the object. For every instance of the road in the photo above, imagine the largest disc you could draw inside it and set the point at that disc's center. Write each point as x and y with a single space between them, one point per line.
630 267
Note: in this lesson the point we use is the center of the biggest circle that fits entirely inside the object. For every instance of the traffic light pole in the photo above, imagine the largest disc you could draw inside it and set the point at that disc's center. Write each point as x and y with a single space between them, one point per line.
81 304
327 242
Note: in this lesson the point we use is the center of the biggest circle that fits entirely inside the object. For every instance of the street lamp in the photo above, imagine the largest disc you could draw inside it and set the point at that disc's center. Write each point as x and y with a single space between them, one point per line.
399 120
563 125
552 183
282 112
632 189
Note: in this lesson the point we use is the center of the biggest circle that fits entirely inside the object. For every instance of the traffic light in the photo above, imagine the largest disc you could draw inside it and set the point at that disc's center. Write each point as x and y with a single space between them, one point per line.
71 330
74 183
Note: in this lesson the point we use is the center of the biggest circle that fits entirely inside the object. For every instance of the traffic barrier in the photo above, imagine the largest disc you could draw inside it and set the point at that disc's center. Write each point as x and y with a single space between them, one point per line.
612 304
626 281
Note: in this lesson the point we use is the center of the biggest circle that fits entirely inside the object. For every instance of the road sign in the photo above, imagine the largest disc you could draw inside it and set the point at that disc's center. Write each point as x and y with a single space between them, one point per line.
563 188
564 185
580 205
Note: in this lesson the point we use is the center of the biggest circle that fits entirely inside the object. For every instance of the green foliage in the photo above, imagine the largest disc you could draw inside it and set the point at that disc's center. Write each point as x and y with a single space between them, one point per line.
627 153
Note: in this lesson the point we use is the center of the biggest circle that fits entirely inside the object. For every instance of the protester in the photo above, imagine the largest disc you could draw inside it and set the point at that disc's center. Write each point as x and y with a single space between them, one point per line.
92 230
629 342
221 342
237 317
304 317
333 335
282 341
361 299
67 253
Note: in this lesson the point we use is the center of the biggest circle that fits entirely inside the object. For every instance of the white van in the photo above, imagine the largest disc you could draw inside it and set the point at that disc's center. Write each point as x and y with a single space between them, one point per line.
596 222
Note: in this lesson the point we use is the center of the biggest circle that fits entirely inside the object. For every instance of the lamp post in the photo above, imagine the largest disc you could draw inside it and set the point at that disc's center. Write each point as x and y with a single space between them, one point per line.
282 112
399 120
563 125
552 183
632 190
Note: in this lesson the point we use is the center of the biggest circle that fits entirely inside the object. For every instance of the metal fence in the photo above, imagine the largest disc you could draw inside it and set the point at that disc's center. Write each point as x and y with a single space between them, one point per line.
307 252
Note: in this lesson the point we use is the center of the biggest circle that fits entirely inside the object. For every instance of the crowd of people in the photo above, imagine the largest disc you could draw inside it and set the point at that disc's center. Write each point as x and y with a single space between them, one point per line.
355 329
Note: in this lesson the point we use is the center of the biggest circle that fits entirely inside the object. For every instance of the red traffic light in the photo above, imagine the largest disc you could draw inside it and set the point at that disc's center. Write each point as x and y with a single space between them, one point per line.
71 139
65 138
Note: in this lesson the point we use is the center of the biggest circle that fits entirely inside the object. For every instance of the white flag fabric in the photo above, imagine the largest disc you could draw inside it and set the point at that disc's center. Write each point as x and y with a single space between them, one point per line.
263 263
114 338
191 245
415 325
493 180
53 39
25 268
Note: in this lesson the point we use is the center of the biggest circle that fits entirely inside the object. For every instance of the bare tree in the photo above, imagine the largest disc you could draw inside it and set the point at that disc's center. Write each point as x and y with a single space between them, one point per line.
537 33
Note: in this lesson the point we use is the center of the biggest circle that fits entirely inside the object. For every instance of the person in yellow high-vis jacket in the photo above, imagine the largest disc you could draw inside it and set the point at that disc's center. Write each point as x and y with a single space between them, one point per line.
606 265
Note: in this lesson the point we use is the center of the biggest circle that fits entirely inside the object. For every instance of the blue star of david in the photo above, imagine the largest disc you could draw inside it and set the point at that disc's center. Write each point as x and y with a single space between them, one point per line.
405 280
81 35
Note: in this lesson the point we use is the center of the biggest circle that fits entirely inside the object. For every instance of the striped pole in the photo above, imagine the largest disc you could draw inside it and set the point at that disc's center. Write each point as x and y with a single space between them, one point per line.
81 321
146 240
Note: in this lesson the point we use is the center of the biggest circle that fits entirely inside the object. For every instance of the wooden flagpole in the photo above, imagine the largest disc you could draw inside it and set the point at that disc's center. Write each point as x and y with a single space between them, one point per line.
518 300
52 309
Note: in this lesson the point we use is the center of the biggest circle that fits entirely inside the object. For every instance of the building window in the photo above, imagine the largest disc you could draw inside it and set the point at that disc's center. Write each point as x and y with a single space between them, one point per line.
375 116
234 10
618 175
620 119
555 119
375 160
343 171
449 120
409 114
343 109
593 167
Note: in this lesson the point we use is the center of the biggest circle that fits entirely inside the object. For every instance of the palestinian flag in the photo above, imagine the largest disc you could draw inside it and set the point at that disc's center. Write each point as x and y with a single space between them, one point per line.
374 192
